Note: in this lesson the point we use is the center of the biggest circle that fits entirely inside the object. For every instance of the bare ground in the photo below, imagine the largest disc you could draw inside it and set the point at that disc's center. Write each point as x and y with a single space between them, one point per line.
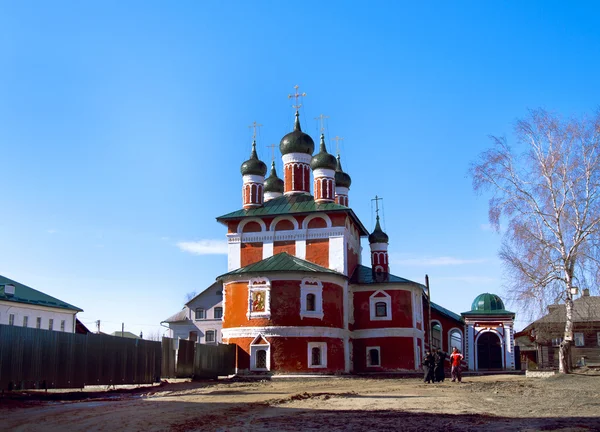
492 403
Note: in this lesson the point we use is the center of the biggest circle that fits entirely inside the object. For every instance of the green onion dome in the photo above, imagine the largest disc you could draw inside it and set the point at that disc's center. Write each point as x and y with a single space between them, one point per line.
297 141
341 178
323 159
378 236
253 165
273 183
487 302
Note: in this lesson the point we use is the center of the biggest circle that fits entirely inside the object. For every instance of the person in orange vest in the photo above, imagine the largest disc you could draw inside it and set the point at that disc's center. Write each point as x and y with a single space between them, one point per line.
455 359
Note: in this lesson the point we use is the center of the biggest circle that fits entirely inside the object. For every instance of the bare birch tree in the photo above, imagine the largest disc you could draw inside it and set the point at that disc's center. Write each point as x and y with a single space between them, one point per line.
546 193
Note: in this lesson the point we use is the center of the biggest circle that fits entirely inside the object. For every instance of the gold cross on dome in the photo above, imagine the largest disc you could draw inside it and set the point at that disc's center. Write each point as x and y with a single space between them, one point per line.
322 118
337 140
296 96
272 147
254 125
377 199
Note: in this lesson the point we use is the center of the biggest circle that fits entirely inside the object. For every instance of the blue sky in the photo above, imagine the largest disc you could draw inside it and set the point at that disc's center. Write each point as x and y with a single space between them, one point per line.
123 125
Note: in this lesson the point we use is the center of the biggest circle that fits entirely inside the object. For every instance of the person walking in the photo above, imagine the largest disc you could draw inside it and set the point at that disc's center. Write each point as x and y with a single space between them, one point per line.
440 360
455 359
428 365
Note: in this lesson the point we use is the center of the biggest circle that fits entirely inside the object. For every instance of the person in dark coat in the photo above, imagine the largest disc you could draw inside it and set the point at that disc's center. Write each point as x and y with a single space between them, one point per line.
440 359
428 366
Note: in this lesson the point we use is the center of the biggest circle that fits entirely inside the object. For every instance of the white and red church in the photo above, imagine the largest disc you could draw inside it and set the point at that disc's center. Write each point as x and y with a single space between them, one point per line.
297 298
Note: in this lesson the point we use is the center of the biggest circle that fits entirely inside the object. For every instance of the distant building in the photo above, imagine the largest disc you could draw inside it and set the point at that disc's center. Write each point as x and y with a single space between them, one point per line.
125 334
200 320
23 306
540 340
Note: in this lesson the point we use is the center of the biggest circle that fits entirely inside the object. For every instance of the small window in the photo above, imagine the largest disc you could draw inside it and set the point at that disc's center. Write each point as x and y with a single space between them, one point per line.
261 359
373 357
193 336
50 324
25 321
219 293
199 313
11 319
380 309
316 356
556 341
310 302
218 312
62 325
38 322
579 341
209 336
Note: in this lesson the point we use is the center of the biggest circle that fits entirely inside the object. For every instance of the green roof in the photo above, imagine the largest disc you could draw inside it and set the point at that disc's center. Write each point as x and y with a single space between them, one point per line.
487 304
25 294
282 262
291 204
446 312
364 275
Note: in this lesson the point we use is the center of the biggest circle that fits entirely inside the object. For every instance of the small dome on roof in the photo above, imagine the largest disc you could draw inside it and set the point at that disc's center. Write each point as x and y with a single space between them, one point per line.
273 183
297 141
378 236
487 302
323 159
341 178
253 165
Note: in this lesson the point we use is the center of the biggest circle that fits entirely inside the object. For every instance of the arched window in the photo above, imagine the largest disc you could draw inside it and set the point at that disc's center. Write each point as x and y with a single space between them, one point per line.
380 309
436 335
316 356
456 340
310 302
261 359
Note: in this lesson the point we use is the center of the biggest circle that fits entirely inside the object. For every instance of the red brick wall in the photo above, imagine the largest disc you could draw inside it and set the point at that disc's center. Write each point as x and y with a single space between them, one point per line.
317 222
252 227
251 253
284 225
401 310
317 251
291 354
284 246
395 353
337 219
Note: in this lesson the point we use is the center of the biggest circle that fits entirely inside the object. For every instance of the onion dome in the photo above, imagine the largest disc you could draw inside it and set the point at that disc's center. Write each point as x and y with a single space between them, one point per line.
323 159
253 165
297 141
341 178
487 302
273 183
378 236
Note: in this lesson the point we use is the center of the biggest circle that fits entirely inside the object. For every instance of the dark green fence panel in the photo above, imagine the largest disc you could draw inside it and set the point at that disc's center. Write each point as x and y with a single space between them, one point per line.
211 361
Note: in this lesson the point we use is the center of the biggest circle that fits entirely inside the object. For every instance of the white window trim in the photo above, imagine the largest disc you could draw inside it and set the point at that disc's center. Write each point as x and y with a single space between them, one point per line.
214 341
203 314
214 309
311 286
575 339
254 347
259 285
369 357
323 347
388 303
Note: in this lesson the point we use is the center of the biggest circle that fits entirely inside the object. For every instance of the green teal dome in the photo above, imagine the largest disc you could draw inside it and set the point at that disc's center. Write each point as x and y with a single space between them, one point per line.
254 165
341 178
487 302
273 183
378 236
297 141
323 159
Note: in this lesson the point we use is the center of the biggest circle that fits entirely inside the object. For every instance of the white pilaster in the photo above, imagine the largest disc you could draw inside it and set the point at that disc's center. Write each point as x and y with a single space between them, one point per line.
267 249
234 256
301 249
336 255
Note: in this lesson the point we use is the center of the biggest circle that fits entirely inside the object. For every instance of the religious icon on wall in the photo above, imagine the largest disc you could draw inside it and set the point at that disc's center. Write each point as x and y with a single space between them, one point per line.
258 301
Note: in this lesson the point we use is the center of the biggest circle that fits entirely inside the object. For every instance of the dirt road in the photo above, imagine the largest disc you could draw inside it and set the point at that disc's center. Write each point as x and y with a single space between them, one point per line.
495 403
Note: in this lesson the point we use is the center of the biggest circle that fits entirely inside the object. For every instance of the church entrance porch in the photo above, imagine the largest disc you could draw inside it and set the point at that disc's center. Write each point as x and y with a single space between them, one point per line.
489 351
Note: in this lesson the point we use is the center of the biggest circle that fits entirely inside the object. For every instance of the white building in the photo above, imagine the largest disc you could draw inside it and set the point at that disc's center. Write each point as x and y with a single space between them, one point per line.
200 319
23 306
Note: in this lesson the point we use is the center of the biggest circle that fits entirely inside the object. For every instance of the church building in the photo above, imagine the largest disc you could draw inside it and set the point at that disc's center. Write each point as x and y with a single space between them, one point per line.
296 298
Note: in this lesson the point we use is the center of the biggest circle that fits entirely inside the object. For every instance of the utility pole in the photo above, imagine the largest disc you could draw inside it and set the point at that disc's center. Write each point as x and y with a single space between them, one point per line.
98 326
429 304
122 329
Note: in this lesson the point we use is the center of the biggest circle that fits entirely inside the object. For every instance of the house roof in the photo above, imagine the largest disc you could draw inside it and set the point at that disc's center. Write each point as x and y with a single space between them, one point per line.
206 291
28 295
292 204
180 316
446 312
363 275
585 309
126 334
282 262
